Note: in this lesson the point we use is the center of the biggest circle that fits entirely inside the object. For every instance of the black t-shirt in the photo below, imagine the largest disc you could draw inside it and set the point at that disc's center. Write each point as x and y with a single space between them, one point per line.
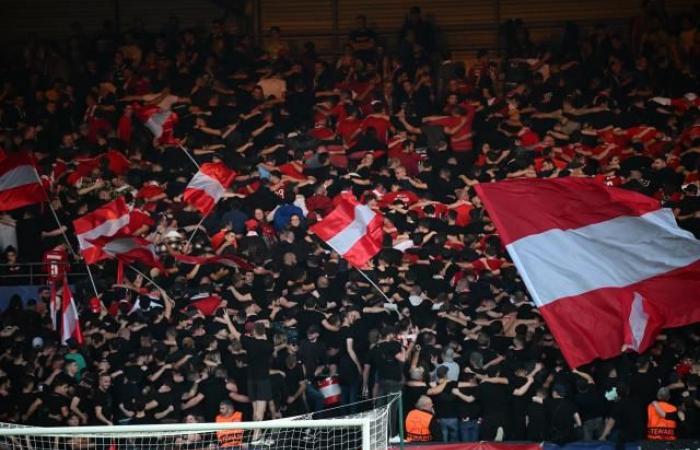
411 394
537 422
561 413
446 406
630 419
104 399
259 357
644 385
388 367
495 399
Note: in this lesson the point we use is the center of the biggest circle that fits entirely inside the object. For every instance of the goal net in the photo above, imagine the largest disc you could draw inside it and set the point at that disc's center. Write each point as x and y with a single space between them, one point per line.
329 429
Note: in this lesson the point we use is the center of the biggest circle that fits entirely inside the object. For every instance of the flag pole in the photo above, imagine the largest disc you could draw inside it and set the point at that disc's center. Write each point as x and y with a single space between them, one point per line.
366 277
194 232
55 215
65 236
146 277
92 279
184 149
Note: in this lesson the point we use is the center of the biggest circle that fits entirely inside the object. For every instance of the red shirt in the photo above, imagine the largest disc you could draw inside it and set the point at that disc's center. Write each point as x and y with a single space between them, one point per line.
380 124
347 128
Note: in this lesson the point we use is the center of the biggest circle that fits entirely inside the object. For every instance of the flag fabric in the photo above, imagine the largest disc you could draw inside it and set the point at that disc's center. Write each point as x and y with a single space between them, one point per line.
108 220
130 250
161 122
19 183
52 304
206 303
70 323
208 185
353 230
607 267
226 260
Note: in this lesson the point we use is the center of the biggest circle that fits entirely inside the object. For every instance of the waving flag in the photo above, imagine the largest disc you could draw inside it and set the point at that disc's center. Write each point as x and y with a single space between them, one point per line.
226 260
160 122
19 183
606 267
353 230
105 221
70 323
206 303
208 186
129 249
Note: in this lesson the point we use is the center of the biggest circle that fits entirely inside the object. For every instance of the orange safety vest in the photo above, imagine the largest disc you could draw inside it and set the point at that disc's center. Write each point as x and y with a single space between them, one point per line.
418 426
230 438
659 428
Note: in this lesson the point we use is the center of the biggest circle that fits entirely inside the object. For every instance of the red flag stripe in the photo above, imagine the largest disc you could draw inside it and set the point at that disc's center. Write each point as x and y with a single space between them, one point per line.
353 230
595 324
556 204
105 221
70 324
208 186
19 183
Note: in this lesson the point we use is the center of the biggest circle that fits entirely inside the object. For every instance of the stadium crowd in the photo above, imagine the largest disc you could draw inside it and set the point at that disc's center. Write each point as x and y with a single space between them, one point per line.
409 132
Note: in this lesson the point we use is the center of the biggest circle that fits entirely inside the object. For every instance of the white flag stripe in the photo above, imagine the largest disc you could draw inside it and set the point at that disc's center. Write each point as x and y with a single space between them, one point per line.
108 228
207 184
70 320
18 177
638 320
119 246
605 254
356 230
155 122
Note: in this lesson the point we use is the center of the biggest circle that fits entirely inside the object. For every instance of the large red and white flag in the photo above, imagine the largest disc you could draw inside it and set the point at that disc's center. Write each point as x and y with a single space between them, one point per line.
353 230
226 260
106 221
208 185
70 323
607 267
130 250
19 183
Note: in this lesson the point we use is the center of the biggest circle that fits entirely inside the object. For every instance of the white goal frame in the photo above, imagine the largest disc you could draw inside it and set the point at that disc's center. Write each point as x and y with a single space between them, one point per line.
362 423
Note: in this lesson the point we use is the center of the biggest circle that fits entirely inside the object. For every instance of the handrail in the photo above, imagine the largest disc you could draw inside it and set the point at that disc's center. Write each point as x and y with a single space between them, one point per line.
37 276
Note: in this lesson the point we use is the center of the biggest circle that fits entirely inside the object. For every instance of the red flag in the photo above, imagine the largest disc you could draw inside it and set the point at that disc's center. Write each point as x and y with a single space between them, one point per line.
206 303
226 260
70 324
108 220
161 122
117 162
353 230
208 186
130 249
607 267
19 183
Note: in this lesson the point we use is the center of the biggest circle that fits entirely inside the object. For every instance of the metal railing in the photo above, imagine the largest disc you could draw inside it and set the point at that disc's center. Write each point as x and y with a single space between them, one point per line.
34 273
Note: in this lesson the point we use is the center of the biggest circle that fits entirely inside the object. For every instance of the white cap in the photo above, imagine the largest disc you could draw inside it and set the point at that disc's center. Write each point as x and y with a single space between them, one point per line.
37 342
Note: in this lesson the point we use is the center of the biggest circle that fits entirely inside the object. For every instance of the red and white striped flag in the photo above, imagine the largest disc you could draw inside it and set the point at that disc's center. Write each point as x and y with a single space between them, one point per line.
106 221
19 183
70 323
160 122
225 260
607 267
353 230
208 186
130 249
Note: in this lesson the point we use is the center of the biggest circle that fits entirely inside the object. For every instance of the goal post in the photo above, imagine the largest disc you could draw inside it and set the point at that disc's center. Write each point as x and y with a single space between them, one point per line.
342 433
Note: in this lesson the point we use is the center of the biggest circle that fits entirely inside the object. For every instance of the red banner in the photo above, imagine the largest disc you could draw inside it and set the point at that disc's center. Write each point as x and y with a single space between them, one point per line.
474 446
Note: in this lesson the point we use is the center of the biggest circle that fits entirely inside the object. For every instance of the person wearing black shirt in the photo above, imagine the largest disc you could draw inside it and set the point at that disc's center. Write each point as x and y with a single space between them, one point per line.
565 421
349 366
626 420
469 409
536 419
494 395
103 401
295 384
445 405
259 350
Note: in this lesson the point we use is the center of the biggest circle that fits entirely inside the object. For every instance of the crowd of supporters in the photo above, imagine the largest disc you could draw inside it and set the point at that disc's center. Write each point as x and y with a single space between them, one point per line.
410 132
